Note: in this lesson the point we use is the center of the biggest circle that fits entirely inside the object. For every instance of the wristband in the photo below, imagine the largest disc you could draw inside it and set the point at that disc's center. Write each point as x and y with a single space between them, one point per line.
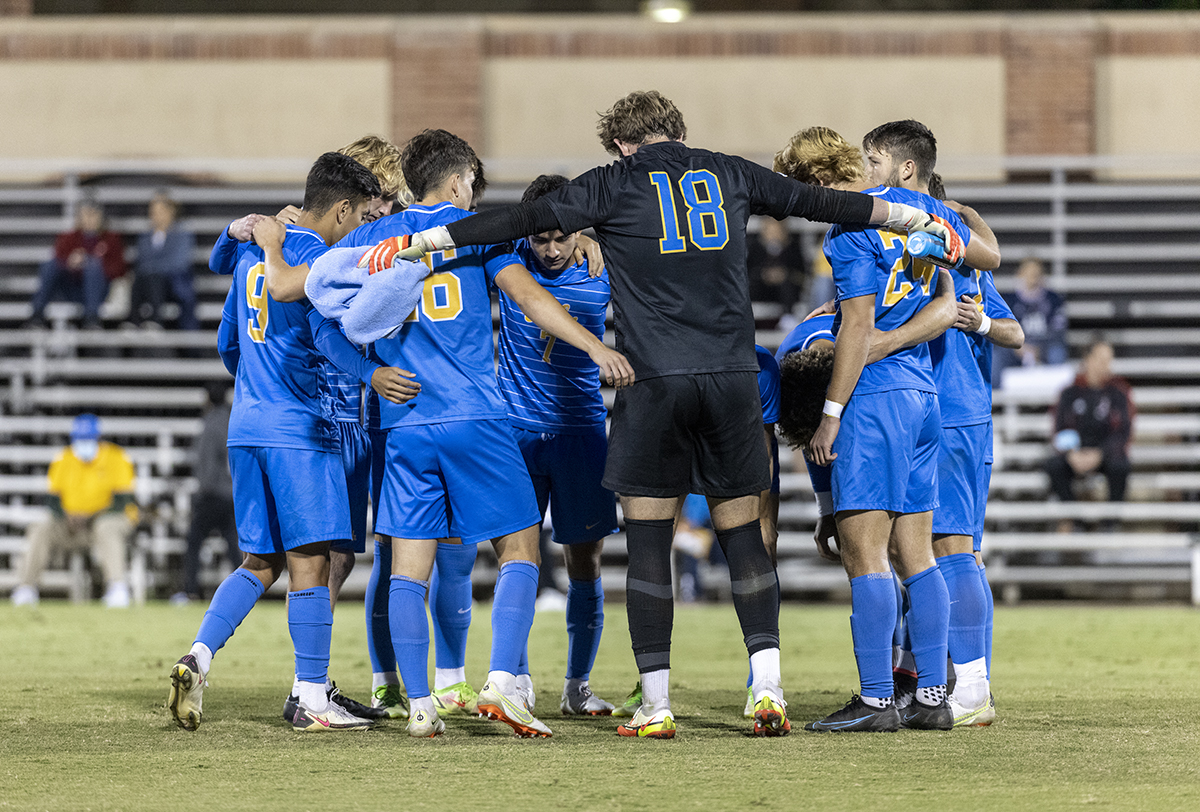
824 503
833 409
984 326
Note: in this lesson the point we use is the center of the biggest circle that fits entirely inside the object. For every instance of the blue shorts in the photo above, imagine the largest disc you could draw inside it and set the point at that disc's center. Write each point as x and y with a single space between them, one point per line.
961 460
378 441
356 461
284 498
464 479
566 470
887 450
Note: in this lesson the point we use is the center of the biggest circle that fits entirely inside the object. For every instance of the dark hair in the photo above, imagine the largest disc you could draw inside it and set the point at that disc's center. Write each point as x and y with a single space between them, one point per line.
479 185
432 156
637 117
937 189
543 185
335 177
804 377
905 141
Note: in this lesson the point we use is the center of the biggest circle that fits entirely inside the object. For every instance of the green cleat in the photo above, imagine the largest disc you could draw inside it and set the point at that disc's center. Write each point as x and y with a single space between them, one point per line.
392 699
631 704
457 698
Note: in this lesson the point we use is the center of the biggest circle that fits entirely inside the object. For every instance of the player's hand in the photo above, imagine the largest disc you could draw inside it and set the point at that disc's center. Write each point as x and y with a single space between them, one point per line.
269 232
820 448
826 530
395 384
589 249
828 307
406 246
955 247
289 215
242 229
614 367
968 318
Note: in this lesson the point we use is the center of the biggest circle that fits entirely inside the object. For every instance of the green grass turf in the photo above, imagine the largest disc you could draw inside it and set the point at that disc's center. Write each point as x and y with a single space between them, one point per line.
1098 709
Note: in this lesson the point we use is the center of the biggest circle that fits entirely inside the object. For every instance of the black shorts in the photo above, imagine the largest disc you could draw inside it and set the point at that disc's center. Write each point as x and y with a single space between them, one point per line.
682 434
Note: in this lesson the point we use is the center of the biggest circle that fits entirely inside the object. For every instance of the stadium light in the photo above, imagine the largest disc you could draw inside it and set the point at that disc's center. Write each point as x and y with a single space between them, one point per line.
667 11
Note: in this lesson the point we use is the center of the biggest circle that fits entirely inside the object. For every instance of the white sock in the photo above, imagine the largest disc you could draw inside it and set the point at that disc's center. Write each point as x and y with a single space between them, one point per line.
503 682
932 695
445 677
295 686
764 668
971 683
203 657
877 702
655 694
524 683
312 696
384 678
424 703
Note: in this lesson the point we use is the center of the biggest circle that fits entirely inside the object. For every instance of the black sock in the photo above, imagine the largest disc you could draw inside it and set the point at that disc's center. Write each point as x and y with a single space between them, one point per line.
755 585
649 593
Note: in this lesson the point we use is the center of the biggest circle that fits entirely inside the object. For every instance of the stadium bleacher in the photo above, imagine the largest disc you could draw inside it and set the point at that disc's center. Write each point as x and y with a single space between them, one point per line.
1121 253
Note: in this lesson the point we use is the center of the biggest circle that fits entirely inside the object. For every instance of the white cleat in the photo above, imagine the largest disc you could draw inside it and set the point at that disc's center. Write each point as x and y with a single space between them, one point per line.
513 711
423 724
973 716
187 692
334 717
582 702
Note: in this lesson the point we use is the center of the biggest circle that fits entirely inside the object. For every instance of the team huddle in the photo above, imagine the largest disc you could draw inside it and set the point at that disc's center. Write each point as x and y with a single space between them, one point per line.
455 449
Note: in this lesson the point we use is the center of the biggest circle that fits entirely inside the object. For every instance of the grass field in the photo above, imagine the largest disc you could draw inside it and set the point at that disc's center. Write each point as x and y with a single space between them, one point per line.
1099 708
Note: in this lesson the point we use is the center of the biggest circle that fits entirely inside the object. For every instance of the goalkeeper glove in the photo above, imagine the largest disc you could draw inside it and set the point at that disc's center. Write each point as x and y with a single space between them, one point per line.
407 246
911 219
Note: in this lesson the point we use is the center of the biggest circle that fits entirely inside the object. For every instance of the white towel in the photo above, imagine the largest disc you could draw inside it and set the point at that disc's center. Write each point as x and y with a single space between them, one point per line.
368 306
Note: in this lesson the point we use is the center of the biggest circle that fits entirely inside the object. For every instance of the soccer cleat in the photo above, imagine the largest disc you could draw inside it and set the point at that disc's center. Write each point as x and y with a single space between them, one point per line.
858 717
290 706
770 717
748 711
334 717
511 710
391 700
645 725
584 703
919 716
981 716
527 694
457 698
187 692
425 725
904 687
355 708
631 704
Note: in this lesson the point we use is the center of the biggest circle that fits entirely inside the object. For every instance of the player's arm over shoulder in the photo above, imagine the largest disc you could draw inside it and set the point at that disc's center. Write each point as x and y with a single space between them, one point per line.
983 249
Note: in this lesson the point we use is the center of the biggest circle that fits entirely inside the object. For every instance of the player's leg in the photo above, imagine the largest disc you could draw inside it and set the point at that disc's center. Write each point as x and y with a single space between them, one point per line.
585 625
356 462
450 606
386 692
412 564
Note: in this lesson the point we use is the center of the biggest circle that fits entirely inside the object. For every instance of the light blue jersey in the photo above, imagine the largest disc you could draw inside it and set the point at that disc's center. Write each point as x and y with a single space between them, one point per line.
447 340
869 261
276 401
549 385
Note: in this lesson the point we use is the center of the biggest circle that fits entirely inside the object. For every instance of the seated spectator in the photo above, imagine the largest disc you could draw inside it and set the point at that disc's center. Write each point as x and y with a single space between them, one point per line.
164 261
212 505
91 508
776 264
85 261
1042 314
1093 421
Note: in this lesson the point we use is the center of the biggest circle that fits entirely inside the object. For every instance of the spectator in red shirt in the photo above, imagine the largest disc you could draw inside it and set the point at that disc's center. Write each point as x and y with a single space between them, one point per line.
85 261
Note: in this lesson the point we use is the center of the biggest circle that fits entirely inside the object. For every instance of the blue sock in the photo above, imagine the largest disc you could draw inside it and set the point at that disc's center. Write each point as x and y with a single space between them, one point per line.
410 633
968 607
928 625
585 624
230 604
310 620
872 618
379 632
987 627
523 665
450 603
512 614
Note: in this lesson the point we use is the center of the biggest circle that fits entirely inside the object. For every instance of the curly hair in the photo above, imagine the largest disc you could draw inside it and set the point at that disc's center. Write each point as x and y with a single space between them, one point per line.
639 116
382 157
804 377
820 155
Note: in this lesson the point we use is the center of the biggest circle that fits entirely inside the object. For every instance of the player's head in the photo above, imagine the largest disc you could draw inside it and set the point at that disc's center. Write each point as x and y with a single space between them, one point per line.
338 194
640 117
820 156
478 186
553 248
439 164
937 189
804 377
901 154
382 158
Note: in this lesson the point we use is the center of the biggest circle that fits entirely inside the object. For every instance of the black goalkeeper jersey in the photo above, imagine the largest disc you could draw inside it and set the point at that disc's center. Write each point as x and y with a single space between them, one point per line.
672 224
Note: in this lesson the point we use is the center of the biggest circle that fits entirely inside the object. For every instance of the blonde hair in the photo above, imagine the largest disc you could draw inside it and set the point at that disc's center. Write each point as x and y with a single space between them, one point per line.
819 155
382 159
638 117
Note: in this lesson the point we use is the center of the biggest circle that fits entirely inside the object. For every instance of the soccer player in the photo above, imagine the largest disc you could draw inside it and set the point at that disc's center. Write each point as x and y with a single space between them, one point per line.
453 468
902 154
289 489
672 222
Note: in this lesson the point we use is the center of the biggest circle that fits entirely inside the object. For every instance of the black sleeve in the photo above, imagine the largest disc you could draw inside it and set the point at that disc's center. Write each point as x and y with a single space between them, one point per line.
780 196
503 225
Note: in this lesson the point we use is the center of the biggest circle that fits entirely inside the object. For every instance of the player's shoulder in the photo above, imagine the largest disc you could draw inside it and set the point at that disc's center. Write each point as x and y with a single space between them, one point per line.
766 361
302 244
